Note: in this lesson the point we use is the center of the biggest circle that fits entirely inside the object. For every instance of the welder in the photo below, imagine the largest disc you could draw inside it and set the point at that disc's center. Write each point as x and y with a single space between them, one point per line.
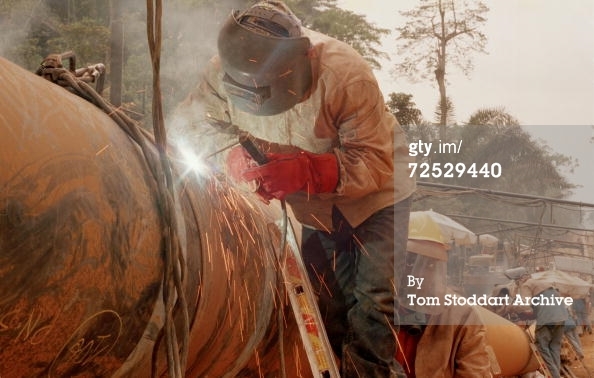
334 153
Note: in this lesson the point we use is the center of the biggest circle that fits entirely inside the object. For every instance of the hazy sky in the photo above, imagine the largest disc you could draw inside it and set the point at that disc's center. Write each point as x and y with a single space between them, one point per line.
539 67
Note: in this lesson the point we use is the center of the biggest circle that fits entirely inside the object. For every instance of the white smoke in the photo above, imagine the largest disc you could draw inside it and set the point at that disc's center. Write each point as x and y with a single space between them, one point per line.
16 22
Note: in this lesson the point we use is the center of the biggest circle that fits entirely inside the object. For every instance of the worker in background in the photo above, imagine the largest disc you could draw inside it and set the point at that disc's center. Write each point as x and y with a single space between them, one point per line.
550 318
571 333
437 340
335 154
581 308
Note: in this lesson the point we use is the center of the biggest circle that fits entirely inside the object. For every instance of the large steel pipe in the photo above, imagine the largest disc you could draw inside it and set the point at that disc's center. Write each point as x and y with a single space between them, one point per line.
81 253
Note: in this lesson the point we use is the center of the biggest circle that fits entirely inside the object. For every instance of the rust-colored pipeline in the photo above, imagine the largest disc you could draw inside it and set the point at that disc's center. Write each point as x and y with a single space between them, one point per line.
510 343
81 255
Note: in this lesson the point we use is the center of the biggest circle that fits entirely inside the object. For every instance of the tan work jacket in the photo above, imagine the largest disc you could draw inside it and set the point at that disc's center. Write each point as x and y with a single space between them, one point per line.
344 113
453 346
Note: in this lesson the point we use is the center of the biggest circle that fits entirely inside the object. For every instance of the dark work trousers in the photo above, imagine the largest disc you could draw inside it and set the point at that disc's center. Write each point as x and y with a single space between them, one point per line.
354 272
548 341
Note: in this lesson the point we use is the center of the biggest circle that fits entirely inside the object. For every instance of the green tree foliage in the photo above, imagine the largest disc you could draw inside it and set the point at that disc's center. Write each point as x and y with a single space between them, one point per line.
405 110
438 34
32 29
492 117
89 38
493 137
527 166
450 113
24 32
402 106
353 29
77 10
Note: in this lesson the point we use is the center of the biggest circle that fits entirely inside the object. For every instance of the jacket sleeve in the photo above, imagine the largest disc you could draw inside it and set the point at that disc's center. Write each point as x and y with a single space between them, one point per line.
203 115
366 138
472 360
454 345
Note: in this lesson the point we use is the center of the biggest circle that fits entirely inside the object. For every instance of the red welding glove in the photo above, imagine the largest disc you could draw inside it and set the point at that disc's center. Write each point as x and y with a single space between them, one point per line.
238 161
295 172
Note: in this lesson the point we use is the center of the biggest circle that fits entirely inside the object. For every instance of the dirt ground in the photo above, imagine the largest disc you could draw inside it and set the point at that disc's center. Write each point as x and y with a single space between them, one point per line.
585 370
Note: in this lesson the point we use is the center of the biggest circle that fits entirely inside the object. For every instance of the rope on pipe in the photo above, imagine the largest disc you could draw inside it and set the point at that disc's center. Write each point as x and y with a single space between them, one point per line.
174 264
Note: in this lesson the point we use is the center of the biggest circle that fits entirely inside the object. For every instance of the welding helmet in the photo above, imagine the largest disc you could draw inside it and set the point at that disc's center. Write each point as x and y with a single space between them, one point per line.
265 58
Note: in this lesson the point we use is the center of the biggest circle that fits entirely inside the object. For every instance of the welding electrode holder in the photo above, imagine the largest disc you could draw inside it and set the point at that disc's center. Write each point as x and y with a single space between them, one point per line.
252 150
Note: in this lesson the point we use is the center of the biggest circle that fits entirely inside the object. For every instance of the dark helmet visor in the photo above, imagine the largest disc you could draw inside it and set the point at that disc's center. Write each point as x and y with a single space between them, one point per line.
258 63
248 99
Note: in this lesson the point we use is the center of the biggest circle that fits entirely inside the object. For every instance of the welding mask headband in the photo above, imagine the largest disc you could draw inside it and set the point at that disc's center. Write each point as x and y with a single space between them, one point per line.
265 75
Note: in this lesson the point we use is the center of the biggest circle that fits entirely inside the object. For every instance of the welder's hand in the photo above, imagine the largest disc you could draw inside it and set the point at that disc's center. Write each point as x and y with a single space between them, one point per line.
290 173
238 161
